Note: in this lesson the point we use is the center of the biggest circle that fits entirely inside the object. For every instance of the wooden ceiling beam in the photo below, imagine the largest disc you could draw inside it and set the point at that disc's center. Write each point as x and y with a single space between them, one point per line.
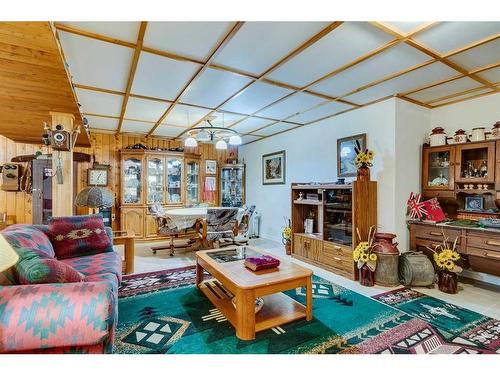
454 95
467 98
131 75
215 51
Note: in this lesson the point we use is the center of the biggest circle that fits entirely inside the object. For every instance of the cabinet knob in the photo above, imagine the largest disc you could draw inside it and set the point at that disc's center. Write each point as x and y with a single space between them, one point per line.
493 243
490 255
337 259
439 234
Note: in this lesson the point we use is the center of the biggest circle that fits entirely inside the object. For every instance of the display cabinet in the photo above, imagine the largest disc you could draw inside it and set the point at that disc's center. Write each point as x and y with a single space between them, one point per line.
155 179
192 181
475 162
175 182
438 172
132 180
232 185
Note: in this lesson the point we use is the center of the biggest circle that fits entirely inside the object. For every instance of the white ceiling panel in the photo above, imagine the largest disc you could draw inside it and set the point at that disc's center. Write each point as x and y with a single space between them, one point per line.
449 36
99 102
183 115
291 105
342 46
95 63
142 109
223 119
445 89
479 57
471 94
403 27
257 96
492 75
161 77
168 131
102 123
249 138
213 87
250 124
138 127
407 82
193 39
391 61
126 31
259 45
276 128
321 111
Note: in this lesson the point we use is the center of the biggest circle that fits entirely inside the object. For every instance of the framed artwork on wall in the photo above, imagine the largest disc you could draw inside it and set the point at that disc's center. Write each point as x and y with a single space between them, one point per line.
210 166
346 154
274 168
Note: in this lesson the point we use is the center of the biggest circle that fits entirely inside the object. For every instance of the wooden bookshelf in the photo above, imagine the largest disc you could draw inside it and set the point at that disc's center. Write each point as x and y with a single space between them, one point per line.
339 211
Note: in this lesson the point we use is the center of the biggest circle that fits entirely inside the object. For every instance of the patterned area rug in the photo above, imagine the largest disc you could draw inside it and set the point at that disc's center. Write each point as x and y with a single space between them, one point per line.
163 312
454 323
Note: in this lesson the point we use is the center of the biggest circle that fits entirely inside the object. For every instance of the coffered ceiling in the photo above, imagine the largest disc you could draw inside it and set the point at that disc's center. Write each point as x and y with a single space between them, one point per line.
265 78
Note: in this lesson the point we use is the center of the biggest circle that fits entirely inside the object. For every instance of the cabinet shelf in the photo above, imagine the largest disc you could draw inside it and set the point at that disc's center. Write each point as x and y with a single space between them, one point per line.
309 202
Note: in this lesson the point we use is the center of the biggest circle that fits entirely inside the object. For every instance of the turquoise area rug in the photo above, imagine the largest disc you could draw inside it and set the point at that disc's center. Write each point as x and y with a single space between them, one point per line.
163 312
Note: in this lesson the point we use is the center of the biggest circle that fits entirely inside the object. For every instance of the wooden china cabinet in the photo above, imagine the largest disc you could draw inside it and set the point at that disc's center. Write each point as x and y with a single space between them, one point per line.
168 178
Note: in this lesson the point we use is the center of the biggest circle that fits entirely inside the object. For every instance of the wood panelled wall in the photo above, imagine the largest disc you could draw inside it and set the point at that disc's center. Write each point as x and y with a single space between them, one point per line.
106 148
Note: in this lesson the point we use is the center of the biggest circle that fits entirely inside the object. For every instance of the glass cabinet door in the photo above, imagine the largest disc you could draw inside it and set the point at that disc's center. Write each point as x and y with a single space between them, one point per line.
192 181
174 187
476 162
155 181
132 190
231 186
337 216
438 168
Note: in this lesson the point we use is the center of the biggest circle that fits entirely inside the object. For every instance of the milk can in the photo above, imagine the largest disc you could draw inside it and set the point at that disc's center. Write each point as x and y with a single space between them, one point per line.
386 273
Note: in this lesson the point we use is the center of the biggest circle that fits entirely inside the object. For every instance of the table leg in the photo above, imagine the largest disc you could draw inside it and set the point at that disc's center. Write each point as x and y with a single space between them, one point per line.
129 255
309 299
245 315
199 274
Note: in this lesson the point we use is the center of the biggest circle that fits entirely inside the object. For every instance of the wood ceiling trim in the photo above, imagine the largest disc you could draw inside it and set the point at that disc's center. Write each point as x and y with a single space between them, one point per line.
88 34
215 51
131 75
449 96
467 98
475 44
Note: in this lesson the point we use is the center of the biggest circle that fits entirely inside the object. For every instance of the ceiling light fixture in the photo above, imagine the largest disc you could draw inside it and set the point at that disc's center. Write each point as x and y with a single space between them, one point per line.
235 140
190 142
219 135
221 145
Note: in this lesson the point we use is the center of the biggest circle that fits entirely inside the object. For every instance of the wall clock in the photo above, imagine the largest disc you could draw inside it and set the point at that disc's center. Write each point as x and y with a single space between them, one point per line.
97 177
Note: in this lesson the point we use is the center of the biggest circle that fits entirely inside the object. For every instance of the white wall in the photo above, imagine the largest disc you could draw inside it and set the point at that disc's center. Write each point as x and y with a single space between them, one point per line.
311 155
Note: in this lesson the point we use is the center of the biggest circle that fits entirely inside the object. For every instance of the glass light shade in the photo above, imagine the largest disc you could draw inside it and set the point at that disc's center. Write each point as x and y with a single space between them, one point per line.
190 142
203 136
221 145
235 140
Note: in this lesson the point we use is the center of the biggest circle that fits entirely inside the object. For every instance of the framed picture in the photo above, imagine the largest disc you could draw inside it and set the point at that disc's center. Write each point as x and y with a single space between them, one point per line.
210 166
273 168
474 203
346 154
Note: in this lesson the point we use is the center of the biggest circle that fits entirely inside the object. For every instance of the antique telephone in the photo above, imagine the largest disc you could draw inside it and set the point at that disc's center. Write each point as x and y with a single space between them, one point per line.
60 140
11 175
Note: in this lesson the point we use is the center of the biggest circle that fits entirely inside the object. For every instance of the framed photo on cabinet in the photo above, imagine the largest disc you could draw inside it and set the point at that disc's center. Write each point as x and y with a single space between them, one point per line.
346 154
210 166
274 168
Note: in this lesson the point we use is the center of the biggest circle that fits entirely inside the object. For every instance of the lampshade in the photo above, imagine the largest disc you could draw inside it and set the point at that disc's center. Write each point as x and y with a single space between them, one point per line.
95 197
203 136
190 142
235 140
8 256
221 145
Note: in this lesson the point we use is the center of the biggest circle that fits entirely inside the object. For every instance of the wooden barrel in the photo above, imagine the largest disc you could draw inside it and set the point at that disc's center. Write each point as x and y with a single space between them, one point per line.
415 269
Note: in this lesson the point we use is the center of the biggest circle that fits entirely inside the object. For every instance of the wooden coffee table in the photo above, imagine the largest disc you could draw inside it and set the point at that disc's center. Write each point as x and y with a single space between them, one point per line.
233 279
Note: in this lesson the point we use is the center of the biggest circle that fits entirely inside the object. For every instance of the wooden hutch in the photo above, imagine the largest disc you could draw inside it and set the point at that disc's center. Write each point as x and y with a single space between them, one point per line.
336 211
169 178
452 173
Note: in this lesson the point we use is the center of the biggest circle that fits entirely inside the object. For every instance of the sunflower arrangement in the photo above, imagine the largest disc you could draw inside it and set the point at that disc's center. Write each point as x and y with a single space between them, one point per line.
363 253
445 256
286 232
364 158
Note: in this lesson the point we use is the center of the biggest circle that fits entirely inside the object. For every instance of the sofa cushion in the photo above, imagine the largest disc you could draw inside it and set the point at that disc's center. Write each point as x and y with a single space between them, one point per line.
76 236
46 270
97 264
28 237
106 277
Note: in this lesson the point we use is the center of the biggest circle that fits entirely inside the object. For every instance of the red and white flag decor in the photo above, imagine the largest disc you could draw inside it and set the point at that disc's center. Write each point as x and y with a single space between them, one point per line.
416 208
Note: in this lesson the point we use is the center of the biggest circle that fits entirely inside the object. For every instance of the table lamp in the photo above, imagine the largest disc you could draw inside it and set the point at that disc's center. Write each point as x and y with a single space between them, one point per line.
8 256
94 197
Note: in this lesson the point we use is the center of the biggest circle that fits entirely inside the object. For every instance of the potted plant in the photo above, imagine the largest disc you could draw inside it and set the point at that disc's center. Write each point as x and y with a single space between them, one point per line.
363 162
445 258
366 259
286 236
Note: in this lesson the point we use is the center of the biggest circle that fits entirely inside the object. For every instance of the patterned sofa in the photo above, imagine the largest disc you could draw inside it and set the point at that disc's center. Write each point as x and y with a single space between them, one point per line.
75 317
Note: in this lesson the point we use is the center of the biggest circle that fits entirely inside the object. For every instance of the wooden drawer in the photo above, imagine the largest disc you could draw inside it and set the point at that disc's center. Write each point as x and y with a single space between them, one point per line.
483 242
484 253
437 234
331 250
428 193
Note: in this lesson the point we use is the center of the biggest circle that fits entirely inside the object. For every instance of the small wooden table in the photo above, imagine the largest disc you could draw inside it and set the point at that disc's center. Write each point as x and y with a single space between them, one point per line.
232 276
127 239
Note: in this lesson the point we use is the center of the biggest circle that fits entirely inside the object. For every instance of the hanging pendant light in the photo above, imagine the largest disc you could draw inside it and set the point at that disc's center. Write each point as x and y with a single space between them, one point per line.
235 140
203 136
221 145
190 142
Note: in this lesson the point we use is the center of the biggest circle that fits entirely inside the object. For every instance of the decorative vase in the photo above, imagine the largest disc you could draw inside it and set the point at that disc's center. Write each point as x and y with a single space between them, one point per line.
387 252
363 173
437 137
448 282
366 276
288 247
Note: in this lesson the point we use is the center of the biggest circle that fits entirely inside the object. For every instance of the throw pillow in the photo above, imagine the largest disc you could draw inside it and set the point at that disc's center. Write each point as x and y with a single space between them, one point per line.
46 270
75 236
26 236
